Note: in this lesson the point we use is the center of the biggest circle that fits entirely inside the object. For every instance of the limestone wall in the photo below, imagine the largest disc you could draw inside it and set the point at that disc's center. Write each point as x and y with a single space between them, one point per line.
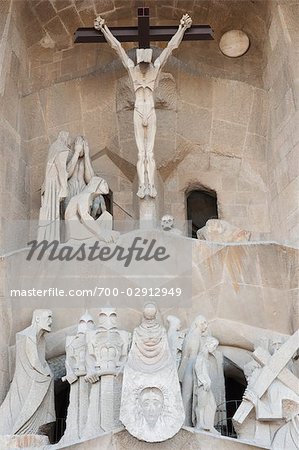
14 179
281 80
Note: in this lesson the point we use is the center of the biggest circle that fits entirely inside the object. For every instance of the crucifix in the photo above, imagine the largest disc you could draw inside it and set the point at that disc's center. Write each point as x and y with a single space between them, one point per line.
144 76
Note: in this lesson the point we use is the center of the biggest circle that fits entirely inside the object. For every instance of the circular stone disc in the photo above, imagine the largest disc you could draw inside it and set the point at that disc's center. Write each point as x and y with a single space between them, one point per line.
234 43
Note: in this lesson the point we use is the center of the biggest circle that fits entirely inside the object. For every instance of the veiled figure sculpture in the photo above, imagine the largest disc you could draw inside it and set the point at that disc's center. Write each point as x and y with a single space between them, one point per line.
29 403
151 404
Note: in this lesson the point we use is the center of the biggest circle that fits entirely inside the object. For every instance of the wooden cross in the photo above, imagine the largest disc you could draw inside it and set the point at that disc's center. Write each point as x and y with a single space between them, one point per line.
144 33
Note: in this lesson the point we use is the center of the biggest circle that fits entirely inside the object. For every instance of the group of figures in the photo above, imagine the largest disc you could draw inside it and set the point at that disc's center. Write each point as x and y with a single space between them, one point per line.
152 382
73 193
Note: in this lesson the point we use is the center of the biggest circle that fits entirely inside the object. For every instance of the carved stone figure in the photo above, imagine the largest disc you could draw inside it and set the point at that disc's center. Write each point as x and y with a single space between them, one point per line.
194 341
79 222
204 404
273 391
107 352
167 224
75 364
175 338
145 77
151 404
29 403
191 348
79 168
219 230
54 189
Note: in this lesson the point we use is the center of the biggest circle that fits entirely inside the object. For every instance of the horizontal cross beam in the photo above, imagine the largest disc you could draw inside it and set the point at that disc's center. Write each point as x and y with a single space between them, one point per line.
131 34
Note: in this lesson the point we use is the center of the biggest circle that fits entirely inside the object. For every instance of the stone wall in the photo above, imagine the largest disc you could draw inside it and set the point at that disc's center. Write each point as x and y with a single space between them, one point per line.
14 180
210 132
281 80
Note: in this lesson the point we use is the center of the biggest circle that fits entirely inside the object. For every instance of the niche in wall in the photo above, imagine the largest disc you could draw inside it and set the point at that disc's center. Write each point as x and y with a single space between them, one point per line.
201 206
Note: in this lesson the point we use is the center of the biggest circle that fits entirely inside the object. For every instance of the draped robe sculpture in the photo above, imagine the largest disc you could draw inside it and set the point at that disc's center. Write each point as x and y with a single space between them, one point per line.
151 404
29 403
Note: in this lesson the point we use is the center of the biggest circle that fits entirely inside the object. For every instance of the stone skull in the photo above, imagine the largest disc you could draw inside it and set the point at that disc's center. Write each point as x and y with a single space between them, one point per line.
167 222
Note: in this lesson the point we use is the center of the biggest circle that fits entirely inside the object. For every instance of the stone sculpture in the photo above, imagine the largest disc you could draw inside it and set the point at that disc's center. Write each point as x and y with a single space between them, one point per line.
107 352
79 168
273 392
175 338
145 77
54 189
151 404
167 224
29 403
191 348
193 344
68 173
219 230
204 404
79 222
75 364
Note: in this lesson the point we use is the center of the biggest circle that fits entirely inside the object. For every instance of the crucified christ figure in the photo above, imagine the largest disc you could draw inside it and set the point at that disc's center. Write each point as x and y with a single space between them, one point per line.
145 77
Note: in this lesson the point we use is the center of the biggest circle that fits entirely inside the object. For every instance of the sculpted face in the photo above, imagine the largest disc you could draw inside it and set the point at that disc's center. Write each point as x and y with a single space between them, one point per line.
151 402
44 320
150 311
201 323
275 345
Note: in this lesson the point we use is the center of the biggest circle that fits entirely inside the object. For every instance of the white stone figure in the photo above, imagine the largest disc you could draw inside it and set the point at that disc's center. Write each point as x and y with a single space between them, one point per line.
54 189
151 404
80 225
219 230
191 348
204 404
175 337
29 403
75 364
107 352
79 168
145 77
167 224
273 392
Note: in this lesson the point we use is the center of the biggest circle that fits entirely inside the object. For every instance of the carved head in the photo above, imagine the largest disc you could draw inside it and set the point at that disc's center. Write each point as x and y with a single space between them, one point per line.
167 222
151 401
275 344
107 318
79 145
144 55
149 311
86 323
42 318
63 137
201 323
174 322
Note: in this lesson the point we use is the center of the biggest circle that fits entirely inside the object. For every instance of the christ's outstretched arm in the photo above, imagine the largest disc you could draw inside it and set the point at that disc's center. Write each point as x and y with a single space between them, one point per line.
99 24
174 42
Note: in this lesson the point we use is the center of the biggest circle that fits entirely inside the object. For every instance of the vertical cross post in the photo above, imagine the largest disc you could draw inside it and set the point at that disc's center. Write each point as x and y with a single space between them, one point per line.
143 28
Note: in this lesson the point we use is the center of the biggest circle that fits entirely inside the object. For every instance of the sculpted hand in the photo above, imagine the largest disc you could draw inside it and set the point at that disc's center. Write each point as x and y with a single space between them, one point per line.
186 21
92 377
99 23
